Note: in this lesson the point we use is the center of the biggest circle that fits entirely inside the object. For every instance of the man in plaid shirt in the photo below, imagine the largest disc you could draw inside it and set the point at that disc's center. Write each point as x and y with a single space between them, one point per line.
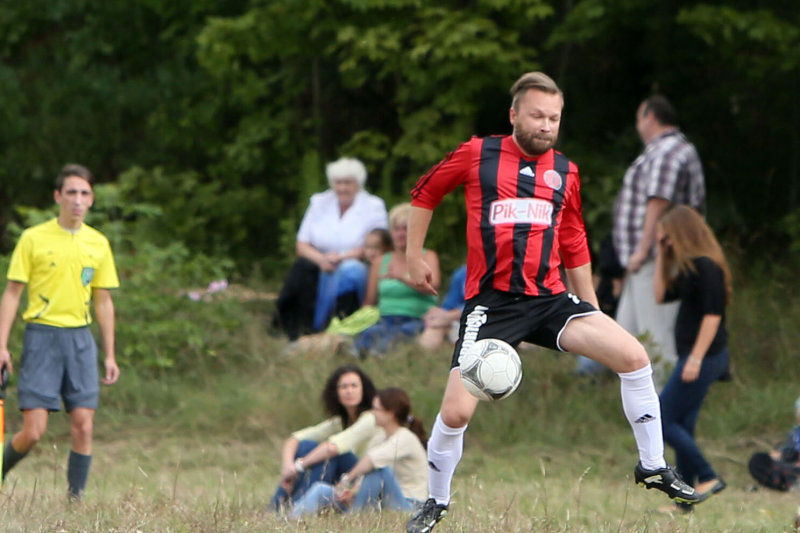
667 172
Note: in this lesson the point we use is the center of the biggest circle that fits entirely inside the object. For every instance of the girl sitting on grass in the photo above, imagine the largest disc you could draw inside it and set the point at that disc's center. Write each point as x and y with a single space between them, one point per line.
393 473
327 450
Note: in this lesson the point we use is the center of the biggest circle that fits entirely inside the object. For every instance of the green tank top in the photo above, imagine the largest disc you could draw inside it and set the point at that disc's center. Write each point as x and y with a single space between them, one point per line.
395 298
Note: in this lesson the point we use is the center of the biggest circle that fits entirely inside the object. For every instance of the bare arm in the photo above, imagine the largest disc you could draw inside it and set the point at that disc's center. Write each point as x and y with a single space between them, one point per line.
418 270
655 207
104 311
371 298
708 330
8 311
326 262
659 281
580 282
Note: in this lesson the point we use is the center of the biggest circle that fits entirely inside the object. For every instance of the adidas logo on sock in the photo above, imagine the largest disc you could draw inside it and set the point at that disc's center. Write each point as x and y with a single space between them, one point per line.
644 419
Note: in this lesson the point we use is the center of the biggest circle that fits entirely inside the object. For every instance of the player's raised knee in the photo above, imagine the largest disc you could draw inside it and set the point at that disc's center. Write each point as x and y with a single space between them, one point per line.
633 357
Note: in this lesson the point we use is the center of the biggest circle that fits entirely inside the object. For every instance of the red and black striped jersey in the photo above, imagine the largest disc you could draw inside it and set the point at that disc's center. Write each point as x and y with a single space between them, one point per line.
523 215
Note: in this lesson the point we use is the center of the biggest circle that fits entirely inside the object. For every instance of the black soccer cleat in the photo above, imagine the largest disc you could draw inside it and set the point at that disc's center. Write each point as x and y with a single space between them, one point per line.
426 517
667 481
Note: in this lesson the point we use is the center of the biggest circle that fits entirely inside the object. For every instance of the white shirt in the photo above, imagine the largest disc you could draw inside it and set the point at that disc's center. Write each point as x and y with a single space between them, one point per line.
405 455
325 229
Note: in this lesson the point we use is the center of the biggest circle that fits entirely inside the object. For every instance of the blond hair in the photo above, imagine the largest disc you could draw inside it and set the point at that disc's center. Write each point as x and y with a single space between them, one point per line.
399 214
538 81
690 237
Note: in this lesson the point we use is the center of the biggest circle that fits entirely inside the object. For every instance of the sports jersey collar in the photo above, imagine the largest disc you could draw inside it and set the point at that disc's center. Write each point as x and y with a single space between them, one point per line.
54 222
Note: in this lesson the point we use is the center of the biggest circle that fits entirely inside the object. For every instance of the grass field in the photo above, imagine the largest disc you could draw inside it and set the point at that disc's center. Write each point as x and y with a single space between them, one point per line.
198 451
201 454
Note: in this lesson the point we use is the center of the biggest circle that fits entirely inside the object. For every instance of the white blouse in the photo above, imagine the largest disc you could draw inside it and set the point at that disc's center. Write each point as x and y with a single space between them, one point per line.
324 229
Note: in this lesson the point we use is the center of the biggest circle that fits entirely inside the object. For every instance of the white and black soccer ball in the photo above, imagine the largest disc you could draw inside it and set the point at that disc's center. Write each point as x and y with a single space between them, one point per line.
490 369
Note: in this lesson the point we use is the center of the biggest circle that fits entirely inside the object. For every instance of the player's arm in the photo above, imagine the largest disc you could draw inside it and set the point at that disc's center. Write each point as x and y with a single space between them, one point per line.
580 282
104 312
8 311
419 272
655 207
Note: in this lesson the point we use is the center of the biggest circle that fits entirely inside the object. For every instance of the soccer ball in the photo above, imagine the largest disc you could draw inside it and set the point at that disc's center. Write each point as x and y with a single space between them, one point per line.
490 369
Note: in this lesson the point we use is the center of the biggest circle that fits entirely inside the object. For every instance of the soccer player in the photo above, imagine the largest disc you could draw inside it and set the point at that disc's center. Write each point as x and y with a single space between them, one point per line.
523 217
65 264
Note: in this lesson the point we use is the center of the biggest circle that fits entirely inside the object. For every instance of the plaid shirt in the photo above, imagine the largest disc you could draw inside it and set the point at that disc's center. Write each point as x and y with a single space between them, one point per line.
668 168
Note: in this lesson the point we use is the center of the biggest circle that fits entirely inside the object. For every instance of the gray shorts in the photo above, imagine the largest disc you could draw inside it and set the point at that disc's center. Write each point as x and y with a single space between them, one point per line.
58 363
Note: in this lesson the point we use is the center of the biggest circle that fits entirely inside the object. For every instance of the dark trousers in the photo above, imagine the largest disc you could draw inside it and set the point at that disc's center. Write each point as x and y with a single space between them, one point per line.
680 407
297 298
327 471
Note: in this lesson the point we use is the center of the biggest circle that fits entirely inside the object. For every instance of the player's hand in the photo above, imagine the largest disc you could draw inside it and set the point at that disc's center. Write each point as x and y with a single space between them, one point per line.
420 276
112 372
5 360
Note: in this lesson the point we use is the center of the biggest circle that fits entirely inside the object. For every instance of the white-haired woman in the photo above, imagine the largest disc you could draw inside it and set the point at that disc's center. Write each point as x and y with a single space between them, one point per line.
329 276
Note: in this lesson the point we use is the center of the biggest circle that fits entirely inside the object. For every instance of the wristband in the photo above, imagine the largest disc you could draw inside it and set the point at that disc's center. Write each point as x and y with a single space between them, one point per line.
695 361
298 466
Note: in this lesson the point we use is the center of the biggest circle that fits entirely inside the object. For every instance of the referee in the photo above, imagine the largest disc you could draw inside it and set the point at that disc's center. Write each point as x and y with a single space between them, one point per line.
65 264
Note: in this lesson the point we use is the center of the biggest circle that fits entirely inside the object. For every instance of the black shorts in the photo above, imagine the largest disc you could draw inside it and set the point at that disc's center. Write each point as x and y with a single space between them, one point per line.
517 317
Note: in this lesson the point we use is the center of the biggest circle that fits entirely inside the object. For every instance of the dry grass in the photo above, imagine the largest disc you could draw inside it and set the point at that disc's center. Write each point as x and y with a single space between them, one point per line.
160 482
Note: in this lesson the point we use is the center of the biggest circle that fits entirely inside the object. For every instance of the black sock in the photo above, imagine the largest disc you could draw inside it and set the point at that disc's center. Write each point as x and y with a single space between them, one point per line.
11 457
77 473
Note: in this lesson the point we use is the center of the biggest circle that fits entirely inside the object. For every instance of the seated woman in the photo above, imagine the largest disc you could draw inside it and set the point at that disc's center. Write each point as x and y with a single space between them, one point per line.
401 306
329 275
327 450
393 473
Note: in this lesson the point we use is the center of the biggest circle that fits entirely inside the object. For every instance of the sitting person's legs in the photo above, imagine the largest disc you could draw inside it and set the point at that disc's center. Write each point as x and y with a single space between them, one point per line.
350 277
295 305
316 498
380 490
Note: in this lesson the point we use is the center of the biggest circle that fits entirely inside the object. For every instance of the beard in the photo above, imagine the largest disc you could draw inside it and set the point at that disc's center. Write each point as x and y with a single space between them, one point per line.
534 144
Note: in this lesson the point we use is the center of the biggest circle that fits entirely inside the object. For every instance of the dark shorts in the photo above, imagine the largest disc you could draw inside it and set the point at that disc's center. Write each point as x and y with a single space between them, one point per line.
58 363
517 317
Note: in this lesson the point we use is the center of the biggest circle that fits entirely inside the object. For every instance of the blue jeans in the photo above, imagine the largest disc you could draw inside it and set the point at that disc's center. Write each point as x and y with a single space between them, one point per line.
389 330
680 407
349 276
379 490
326 471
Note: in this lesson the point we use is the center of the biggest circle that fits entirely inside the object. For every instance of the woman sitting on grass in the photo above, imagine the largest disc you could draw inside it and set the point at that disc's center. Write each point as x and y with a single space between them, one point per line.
327 450
401 306
691 267
393 473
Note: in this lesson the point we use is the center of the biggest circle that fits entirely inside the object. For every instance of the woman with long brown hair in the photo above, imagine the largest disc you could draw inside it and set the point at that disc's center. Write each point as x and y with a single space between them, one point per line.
691 268
325 451
393 473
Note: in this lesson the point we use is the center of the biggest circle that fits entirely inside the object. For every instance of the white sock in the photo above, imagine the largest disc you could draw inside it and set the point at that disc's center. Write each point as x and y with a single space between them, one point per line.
643 410
444 453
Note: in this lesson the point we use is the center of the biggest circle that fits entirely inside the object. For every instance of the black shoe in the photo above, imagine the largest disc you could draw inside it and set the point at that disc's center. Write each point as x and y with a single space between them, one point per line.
667 481
426 517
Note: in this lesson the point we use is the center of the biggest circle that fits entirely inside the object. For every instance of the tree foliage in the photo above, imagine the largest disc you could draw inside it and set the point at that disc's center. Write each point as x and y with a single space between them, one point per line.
221 114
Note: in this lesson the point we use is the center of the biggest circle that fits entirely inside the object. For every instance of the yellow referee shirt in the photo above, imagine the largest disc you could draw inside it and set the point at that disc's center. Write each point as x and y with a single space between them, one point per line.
61 269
